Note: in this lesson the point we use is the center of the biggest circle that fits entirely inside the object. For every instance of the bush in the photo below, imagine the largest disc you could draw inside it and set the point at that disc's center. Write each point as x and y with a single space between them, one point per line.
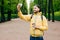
57 16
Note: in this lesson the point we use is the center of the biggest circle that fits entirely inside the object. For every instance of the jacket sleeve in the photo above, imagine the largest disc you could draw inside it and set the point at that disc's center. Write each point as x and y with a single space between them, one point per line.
24 17
44 24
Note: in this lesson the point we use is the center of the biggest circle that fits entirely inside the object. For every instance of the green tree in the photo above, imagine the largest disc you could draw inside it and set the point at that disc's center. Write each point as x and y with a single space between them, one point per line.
50 10
9 11
24 7
2 11
56 5
31 6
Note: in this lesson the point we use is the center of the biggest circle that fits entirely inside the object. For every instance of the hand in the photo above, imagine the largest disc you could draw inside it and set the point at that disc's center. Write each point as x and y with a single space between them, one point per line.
18 7
37 27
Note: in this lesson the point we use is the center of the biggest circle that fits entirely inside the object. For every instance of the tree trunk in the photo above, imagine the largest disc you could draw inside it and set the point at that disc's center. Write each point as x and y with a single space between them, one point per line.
49 10
9 11
2 11
52 9
45 9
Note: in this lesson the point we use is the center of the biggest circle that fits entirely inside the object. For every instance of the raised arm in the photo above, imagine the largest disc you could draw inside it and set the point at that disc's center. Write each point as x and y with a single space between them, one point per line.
24 17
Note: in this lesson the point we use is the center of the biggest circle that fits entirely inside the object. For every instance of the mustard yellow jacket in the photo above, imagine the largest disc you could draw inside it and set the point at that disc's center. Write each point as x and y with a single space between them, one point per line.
42 25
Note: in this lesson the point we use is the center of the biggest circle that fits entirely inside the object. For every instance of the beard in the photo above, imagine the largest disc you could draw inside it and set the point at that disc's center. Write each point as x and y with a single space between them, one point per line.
36 11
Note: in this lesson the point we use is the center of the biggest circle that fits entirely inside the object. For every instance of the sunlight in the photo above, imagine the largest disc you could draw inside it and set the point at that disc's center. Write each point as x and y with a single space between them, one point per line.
28 5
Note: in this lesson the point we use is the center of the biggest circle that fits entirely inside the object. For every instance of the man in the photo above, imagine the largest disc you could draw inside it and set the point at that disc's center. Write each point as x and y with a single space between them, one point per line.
38 23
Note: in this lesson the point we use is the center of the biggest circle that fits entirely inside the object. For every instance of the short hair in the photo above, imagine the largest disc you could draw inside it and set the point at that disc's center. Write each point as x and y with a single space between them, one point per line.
38 7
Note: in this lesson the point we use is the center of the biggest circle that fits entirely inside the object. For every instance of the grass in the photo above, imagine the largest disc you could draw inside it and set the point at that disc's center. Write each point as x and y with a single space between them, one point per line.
57 16
12 16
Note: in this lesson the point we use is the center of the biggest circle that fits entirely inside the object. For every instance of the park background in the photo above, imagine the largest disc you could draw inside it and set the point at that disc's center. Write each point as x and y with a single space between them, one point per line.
13 28
50 8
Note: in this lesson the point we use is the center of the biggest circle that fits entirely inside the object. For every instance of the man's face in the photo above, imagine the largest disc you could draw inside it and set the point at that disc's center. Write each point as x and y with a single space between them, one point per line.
35 9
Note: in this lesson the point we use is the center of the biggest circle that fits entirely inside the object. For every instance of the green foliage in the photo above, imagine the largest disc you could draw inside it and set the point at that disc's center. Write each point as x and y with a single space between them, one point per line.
24 7
56 4
12 16
31 7
11 5
57 15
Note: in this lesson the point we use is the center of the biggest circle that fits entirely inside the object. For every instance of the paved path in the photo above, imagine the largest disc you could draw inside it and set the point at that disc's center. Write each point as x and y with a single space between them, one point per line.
17 29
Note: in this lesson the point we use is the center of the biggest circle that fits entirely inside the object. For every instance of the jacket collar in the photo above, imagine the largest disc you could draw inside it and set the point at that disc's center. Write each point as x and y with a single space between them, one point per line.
39 13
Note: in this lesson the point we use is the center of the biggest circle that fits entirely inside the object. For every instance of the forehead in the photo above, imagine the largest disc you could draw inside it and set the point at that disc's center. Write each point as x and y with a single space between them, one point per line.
35 7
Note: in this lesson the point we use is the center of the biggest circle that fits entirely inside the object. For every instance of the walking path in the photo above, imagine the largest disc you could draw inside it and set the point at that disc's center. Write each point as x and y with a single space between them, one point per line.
17 29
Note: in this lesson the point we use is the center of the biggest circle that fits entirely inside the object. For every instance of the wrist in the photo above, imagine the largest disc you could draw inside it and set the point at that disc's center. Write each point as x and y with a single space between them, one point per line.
18 10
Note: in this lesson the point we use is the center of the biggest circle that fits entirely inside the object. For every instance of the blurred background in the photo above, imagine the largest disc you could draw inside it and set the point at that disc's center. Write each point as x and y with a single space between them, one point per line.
50 8
13 28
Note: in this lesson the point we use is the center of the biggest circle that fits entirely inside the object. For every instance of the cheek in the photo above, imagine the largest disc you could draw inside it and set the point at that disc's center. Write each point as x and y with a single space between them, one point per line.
35 9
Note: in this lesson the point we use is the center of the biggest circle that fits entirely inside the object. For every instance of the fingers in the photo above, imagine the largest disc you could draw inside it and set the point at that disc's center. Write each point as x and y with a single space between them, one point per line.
18 7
